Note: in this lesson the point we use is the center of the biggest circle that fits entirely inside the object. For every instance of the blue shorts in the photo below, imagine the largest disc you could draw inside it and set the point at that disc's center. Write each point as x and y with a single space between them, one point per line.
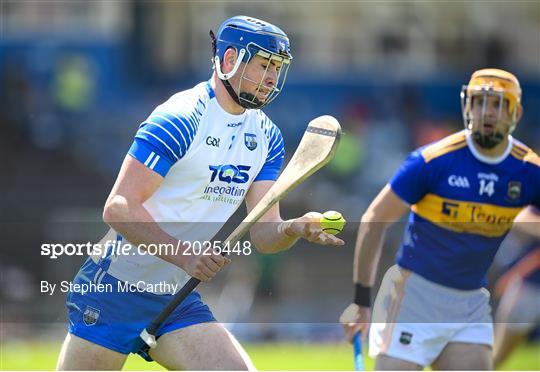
114 319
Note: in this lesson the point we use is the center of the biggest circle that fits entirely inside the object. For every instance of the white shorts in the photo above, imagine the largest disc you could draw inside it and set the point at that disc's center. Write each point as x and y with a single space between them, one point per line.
414 319
519 308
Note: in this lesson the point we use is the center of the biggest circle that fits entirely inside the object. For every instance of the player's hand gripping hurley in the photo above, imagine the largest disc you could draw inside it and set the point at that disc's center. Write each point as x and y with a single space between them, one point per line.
316 149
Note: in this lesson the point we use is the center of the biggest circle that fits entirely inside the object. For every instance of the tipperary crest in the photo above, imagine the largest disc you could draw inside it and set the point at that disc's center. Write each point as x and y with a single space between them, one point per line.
251 141
514 190
90 316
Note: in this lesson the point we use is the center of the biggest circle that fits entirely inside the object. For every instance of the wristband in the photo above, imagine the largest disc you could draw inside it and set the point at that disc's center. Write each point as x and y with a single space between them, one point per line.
362 295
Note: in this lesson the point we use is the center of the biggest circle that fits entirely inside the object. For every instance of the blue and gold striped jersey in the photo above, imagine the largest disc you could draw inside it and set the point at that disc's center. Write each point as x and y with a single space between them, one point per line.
462 207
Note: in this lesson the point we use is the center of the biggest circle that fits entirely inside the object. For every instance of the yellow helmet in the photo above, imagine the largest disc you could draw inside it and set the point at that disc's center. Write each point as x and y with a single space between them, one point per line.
492 81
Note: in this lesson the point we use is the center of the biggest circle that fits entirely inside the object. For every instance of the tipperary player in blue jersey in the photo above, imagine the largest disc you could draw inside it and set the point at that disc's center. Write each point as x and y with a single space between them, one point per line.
463 192
193 162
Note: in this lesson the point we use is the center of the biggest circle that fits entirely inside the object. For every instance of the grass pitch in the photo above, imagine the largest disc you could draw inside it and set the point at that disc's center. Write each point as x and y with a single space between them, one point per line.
268 356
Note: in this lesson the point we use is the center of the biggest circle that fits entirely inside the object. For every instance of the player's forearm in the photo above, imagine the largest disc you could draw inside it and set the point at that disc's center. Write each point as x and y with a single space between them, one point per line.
527 229
527 223
136 225
367 251
272 237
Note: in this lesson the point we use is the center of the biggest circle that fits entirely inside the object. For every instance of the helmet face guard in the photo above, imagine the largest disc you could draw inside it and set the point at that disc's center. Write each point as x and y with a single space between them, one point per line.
251 37
483 85
250 100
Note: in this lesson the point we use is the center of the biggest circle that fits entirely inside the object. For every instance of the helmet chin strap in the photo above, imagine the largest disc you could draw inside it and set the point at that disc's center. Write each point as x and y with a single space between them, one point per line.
249 101
228 75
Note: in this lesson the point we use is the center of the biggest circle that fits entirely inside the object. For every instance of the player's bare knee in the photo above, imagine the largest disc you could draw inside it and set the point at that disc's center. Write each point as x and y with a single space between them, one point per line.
80 354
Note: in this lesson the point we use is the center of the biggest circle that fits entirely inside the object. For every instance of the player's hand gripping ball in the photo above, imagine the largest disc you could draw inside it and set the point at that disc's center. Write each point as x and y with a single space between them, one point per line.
332 222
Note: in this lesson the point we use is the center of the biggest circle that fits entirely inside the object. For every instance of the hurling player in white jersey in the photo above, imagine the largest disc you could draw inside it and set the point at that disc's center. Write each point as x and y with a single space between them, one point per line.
194 160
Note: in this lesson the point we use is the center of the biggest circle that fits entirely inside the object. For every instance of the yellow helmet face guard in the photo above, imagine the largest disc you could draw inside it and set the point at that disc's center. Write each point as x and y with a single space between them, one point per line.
491 82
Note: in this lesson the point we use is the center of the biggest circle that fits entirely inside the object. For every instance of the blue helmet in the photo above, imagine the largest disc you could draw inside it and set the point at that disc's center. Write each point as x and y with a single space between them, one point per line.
249 37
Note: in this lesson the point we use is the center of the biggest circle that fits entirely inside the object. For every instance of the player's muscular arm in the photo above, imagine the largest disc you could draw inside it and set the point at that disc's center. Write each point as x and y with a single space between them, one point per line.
124 212
266 228
124 209
386 209
271 234
527 222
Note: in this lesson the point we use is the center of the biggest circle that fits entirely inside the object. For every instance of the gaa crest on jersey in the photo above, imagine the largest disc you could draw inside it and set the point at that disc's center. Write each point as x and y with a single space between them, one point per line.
250 141
514 190
90 316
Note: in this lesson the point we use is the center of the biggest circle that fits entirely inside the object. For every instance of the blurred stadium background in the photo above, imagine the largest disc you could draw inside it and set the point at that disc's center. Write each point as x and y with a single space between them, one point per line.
77 77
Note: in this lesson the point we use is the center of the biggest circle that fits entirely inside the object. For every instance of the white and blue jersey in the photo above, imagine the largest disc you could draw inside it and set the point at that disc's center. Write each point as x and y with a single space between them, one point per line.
209 159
